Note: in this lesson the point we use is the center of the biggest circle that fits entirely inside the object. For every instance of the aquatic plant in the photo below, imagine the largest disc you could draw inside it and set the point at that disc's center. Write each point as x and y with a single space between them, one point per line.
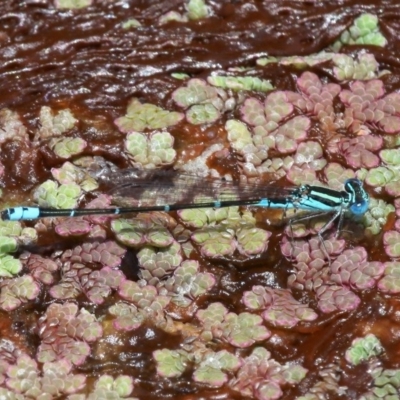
267 120
390 282
67 147
363 348
150 151
203 103
362 66
127 316
144 230
336 175
359 151
261 377
364 30
50 194
140 117
391 243
300 62
197 9
70 227
145 303
71 4
387 173
280 307
55 125
107 253
327 384
131 23
41 268
172 16
310 266
171 363
210 368
65 332
214 367
386 384
187 283
156 263
352 269
240 330
77 279
107 387
377 215
56 379
366 105
69 173
336 298
9 266
17 291
11 126
305 163
240 83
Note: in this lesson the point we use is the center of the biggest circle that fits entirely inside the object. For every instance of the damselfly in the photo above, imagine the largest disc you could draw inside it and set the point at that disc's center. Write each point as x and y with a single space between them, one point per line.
145 191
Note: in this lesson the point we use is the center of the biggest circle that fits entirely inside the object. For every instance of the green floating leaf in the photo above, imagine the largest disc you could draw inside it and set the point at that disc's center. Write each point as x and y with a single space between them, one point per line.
55 125
72 4
151 151
390 283
170 363
241 83
107 385
365 30
69 173
213 367
202 114
49 194
252 240
10 228
180 76
140 117
391 242
136 232
197 9
9 266
8 244
238 135
376 216
363 349
68 147
131 23
215 242
363 68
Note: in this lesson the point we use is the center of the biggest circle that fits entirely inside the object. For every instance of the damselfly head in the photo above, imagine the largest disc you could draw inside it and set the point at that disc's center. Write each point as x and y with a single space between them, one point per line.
359 200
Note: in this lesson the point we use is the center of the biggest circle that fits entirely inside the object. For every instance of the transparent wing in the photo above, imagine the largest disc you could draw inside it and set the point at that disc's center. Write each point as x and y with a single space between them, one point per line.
133 187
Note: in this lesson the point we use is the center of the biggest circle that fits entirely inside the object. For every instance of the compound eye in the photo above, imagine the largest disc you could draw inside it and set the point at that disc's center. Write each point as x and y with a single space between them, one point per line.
359 208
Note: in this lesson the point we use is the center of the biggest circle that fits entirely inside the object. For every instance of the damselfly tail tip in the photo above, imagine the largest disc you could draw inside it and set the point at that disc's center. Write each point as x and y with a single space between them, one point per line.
5 215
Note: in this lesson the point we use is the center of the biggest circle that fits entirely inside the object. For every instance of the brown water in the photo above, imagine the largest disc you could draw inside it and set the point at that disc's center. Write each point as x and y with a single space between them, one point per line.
85 61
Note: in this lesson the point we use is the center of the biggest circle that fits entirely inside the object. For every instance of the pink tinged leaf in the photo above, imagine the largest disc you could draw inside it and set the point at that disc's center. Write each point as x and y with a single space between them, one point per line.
17 291
390 283
72 227
41 268
374 87
66 290
277 106
309 83
390 124
253 112
268 391
391 242
334 298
